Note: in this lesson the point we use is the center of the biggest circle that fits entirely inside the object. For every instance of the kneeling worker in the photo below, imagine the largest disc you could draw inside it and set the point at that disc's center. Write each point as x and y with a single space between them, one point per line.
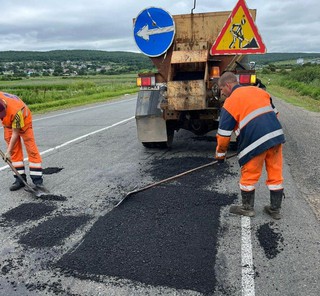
249 112
17 123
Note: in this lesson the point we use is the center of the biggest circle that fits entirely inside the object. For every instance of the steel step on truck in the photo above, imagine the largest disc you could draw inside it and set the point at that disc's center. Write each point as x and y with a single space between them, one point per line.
190 53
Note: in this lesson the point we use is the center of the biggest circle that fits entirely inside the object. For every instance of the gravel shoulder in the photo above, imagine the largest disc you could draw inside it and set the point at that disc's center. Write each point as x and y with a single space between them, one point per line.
301 149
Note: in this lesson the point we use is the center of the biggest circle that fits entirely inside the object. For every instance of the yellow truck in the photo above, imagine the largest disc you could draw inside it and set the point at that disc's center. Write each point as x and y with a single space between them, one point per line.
190 53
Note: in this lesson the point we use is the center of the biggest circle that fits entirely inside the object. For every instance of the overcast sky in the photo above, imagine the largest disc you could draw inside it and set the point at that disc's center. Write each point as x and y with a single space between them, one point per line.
42 25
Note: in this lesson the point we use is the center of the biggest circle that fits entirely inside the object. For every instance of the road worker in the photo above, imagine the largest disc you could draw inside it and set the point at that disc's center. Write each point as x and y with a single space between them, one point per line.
17 124
249 112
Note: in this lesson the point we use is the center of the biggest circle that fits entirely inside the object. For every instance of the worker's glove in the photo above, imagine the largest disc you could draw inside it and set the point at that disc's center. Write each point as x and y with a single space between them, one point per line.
7 157
219 158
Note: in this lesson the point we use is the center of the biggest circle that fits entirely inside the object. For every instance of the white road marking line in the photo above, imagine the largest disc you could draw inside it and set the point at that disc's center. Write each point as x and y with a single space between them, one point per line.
83 109
246 258
77 139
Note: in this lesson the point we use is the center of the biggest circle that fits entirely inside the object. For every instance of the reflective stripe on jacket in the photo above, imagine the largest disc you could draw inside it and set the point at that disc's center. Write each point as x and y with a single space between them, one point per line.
249 112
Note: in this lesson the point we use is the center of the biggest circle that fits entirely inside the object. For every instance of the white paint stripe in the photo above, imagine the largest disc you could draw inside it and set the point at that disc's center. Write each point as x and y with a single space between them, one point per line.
78 139
246 258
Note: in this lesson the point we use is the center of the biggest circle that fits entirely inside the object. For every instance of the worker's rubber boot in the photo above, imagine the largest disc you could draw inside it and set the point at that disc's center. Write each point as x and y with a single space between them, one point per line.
246 209
18 183
38 183
275 204
37 180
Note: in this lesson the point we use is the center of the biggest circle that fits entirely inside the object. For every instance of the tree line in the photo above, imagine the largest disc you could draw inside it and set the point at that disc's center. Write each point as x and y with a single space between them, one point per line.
65 62
125 57
73 55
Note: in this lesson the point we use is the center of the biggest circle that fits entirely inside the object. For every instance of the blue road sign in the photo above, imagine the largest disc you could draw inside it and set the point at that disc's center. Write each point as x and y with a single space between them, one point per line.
154 31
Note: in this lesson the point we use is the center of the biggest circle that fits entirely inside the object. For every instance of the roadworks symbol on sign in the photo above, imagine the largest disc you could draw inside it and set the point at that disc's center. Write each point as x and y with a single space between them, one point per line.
239 34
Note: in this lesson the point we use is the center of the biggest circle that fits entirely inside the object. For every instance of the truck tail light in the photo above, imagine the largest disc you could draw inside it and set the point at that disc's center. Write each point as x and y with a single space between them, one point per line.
146 81
215 72
247 79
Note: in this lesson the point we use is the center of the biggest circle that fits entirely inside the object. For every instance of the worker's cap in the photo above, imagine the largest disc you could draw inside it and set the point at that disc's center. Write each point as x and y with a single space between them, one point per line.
2 109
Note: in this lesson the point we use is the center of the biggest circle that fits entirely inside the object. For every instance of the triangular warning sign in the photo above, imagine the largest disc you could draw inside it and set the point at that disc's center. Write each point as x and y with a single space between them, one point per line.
239 34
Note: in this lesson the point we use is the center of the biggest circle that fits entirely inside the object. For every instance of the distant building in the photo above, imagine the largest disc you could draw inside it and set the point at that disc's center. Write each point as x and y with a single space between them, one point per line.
300 61
315 61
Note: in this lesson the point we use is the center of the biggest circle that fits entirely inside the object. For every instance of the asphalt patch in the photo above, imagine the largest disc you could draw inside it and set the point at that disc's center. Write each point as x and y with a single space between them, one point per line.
53 197
51 170
164 168
205 139
270 240
26 212
165 236
52 232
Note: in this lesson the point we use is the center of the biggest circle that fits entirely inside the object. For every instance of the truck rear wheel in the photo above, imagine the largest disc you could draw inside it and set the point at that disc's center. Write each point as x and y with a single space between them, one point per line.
148 144
170 136
198 127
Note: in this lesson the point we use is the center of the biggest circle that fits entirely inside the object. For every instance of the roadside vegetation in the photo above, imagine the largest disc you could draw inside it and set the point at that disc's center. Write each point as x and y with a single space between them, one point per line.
43 94
55 80
61 79
296 84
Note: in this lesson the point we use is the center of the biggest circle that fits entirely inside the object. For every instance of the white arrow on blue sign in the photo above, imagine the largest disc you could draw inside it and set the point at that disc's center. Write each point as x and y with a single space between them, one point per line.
154 31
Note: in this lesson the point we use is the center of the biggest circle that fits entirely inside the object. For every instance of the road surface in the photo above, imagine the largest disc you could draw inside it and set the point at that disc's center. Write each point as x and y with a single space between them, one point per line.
175 239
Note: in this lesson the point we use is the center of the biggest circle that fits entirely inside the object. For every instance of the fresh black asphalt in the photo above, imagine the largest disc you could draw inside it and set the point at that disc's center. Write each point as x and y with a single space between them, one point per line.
27 211
163 236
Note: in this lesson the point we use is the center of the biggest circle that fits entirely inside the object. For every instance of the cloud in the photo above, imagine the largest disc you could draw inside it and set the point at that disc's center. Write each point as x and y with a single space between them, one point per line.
285 26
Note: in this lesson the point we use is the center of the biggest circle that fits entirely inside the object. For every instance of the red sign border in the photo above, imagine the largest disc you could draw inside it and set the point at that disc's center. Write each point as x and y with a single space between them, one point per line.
262 47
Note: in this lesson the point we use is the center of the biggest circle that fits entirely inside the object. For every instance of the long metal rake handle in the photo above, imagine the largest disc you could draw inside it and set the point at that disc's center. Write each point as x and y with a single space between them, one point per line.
171 178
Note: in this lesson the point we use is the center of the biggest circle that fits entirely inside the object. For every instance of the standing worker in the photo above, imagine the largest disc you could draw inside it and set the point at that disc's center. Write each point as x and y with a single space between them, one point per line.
250 113
17 123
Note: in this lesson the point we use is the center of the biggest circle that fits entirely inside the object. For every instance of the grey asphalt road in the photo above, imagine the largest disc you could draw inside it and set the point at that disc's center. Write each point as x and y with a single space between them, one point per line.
175 239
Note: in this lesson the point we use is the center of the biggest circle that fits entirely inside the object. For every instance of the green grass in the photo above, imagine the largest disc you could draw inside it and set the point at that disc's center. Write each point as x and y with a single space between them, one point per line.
44 94
291 96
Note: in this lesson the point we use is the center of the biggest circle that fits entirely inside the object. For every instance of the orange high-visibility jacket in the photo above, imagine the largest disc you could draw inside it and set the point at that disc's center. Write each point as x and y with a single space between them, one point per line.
13 105
249 112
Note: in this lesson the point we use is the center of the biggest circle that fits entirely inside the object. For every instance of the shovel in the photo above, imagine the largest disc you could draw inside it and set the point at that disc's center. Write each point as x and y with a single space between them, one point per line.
34 190
170 179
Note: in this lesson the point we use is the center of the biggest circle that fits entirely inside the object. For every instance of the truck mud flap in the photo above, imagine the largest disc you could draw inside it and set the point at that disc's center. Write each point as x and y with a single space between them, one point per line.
151 127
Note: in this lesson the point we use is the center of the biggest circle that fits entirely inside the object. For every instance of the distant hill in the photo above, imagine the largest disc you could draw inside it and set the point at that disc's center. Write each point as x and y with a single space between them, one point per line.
114 62
71 55
124 57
